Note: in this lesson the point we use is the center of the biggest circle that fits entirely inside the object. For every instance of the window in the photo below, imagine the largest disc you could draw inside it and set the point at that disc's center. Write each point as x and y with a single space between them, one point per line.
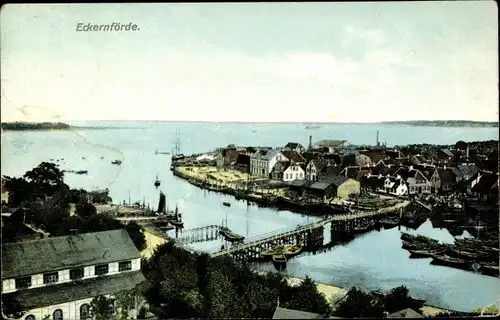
23 283
50 278
101 269
30 317
125 266
84 312
75 274
57 315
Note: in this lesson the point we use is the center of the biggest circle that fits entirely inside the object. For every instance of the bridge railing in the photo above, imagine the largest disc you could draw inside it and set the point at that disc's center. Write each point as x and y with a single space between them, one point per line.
256 239
300 227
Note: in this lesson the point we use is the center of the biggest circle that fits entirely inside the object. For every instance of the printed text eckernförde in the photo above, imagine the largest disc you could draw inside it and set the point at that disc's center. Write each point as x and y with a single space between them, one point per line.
115 26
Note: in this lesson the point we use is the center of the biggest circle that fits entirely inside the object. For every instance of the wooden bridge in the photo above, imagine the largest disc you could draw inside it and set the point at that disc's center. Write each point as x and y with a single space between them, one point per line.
199 234
306 235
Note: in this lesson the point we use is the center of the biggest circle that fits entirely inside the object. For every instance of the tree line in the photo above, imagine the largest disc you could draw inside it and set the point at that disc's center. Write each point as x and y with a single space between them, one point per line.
43 200
34 126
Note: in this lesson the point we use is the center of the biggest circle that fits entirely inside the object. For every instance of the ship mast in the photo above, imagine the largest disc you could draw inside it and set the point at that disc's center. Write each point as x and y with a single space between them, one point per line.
177 143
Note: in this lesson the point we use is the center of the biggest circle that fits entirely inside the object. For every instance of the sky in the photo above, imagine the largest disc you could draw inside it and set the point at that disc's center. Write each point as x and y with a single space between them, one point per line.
258 62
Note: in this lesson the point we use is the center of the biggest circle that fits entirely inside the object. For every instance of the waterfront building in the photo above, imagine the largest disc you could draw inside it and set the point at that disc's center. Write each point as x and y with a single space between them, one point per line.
294 146
335 187
395 186
57 278
368 158
263 161
442 180
294 172
293 156
314 168
332 146
416 180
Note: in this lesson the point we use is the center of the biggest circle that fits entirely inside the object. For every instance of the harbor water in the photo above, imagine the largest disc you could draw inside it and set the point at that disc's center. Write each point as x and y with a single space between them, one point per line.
371 261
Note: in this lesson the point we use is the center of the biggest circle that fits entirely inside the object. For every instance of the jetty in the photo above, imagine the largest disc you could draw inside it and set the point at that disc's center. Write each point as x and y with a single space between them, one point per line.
308 235
198 234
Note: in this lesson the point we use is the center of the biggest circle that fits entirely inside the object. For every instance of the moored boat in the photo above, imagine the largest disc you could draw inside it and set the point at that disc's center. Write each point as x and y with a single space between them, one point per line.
487 270
388 223
292 251
227 204
279 262
413 246
230 236
449 261
425 253
418 238
365 227
117 162
464 254
157 182
272 251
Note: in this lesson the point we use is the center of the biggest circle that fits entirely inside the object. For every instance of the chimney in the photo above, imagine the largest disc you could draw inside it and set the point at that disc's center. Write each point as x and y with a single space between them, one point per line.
377 140
310 142
467 151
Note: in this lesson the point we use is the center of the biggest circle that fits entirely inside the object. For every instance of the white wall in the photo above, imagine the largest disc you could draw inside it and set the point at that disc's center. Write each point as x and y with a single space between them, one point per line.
9 285
71 310
298 173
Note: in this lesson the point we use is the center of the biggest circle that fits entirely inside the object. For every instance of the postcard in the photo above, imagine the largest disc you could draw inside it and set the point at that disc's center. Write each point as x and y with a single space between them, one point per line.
249 160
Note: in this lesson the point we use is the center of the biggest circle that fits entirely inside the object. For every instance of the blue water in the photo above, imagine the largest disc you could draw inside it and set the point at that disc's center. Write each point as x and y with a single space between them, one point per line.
373 261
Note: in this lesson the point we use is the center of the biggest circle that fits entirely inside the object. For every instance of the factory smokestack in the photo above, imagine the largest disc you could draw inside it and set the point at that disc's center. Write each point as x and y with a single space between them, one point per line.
378 143
310 142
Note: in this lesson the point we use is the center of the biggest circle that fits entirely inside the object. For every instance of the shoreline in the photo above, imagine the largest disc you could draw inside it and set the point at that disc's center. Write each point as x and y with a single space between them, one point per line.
154 239
276 200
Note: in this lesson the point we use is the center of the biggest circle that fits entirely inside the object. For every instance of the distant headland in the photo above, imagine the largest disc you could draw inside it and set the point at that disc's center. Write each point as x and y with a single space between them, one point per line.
28 126
45 126
445 123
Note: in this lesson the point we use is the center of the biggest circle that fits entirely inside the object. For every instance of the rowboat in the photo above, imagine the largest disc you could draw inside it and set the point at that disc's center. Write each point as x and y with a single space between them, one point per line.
272 251
279 262
364 227
291 251
493 271
449 261
464 254
388 223
418 238
425 253
230 236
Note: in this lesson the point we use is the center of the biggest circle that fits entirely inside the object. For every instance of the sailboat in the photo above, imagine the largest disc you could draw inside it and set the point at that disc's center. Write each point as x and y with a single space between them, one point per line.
177 221
157 182
161 204
229 235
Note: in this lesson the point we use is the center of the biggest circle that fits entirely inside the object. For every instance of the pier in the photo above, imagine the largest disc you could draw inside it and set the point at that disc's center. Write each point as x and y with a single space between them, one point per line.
199 234
309 235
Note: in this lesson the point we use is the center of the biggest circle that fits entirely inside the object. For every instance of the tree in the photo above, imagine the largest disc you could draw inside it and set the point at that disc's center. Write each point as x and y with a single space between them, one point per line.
307 298
398 299
359 304
46 179
126 300
461 145
19 190
85 209
100 307
136 233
